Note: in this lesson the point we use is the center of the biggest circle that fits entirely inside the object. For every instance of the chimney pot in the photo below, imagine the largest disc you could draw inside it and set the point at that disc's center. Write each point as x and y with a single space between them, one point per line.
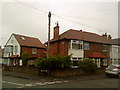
109 37
104 35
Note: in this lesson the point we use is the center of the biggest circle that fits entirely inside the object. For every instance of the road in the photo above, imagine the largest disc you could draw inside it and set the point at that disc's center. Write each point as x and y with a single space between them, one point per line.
78 82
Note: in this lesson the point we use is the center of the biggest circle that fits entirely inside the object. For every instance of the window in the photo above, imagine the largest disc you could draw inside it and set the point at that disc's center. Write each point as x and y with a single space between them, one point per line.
63 43
76 44
105 47
34 51
86 46
75 61
16 49
22 38
104 62
11 41
8 49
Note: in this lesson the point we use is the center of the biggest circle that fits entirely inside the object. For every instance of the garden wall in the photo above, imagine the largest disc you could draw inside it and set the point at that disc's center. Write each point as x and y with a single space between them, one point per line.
55 73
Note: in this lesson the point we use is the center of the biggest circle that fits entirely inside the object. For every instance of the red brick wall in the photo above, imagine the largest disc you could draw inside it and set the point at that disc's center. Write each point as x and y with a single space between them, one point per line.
60 47
40 52
95 47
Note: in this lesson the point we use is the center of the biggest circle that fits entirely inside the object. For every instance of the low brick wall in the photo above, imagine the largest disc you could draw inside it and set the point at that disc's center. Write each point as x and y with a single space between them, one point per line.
27 70
56 73
66 72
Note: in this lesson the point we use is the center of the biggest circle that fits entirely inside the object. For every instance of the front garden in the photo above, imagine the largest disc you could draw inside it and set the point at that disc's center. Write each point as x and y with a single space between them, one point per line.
59 66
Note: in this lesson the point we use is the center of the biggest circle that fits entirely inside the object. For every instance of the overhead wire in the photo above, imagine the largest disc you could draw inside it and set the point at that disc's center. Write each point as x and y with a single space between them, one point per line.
56 15
40 10
88 26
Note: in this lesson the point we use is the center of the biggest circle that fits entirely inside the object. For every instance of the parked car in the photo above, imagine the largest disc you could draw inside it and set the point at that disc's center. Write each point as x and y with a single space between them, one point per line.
112 70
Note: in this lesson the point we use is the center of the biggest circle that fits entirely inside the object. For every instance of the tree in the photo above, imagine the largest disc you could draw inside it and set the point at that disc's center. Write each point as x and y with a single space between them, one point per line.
25 58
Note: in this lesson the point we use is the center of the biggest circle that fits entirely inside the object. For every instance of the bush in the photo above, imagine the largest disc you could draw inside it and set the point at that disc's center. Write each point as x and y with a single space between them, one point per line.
25 58
87 65
58 62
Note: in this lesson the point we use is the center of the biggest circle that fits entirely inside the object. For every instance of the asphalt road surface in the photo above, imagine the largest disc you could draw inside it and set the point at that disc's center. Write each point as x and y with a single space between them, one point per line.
100 82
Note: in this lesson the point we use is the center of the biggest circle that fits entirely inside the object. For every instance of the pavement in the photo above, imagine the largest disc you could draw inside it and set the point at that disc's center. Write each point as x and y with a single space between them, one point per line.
25 76
38 77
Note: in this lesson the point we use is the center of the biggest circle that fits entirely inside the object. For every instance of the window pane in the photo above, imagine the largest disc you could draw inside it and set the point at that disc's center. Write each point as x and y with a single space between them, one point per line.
34 51
76 46
86 46
75 63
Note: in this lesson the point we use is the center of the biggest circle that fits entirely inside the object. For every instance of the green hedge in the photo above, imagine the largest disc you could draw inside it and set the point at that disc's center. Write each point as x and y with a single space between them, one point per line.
87 65
58 62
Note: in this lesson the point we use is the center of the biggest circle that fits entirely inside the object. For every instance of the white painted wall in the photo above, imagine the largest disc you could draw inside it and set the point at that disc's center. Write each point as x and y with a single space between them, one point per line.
76 53
114 54
114 51
79 53
12 41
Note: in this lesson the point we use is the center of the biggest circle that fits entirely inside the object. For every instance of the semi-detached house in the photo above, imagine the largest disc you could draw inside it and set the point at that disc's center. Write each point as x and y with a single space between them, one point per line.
17 45
81 45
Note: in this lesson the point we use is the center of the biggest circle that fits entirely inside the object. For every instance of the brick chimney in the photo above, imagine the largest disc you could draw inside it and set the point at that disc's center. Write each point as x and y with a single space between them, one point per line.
109 37
56 31
104 35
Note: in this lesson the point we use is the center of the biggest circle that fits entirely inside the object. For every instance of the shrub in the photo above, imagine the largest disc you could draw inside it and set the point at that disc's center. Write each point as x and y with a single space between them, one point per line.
25 58
87 65
58 62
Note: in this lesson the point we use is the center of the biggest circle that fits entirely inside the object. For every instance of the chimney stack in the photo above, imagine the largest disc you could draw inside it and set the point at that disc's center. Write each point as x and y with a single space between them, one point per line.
109 37
56 31
104 35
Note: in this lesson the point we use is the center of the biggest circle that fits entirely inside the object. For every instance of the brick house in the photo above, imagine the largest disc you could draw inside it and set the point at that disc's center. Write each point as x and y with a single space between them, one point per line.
17 45
81 45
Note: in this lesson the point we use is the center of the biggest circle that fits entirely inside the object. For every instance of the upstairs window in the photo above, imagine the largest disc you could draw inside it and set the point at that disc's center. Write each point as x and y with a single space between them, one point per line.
16 49
8 49
105 48
76 44
86 46
34 51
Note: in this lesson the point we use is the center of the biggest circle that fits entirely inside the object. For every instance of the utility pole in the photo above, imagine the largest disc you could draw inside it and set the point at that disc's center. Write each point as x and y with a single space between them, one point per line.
49 19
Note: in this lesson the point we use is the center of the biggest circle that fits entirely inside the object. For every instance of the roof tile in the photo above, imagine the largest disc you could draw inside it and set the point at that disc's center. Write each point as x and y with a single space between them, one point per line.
28 41
85 36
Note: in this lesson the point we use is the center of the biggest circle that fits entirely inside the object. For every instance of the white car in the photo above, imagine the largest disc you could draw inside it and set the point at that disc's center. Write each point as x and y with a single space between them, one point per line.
113 70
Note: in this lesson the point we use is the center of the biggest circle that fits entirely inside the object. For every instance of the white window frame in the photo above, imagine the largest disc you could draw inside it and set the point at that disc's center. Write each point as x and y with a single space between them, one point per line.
34 50
85 44
77 59
105 47
76 42
104 62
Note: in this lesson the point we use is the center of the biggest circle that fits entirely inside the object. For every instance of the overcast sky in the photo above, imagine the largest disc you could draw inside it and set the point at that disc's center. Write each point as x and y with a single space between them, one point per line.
31 18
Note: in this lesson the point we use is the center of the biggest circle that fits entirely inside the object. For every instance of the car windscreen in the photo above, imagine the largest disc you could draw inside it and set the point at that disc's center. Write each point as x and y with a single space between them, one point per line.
111 67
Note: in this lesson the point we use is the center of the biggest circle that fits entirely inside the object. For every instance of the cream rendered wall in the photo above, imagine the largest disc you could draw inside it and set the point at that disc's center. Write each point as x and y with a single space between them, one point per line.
114 51
76 53
114 54
12 41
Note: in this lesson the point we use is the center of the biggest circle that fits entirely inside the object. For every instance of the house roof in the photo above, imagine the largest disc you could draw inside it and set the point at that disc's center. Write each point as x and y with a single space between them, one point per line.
28 41
82 35
116 41
97 55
